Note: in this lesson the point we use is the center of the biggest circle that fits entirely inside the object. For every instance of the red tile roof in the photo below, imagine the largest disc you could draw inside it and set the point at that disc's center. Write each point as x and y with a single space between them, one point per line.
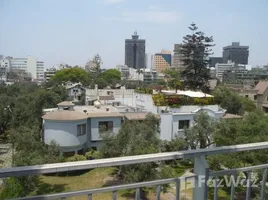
261 87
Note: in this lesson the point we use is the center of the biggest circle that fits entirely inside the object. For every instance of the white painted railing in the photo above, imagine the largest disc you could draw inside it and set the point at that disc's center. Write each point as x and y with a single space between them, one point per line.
201 169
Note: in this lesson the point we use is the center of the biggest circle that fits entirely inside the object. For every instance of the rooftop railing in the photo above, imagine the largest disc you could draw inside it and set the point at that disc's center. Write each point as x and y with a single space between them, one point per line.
201 173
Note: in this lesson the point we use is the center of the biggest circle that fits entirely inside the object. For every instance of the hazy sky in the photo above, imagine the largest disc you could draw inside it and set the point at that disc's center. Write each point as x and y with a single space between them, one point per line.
72 31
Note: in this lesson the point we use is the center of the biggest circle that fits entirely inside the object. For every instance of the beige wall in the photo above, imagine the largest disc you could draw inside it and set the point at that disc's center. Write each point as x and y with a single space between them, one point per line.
261 99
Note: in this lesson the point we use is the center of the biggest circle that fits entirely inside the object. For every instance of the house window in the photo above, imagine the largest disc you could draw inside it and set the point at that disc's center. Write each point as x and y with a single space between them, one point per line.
106 126
81 129
246 96
184 124
255 97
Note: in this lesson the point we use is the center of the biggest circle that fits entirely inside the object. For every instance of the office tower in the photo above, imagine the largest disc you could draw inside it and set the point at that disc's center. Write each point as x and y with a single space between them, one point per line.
162 61
135 52
236 53
214 60
177 57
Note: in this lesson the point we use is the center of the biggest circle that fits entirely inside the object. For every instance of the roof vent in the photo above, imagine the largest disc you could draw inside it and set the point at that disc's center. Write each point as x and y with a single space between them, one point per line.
85 111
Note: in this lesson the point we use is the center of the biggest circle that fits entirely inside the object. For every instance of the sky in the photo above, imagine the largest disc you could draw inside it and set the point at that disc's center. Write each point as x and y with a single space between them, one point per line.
73 31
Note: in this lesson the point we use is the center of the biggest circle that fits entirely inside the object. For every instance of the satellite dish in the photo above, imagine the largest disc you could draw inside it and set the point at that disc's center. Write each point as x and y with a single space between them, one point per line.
97 104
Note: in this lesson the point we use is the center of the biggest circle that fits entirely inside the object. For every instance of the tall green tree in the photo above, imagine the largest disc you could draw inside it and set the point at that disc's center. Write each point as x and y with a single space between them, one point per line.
97 62
195 51
200 134
134 138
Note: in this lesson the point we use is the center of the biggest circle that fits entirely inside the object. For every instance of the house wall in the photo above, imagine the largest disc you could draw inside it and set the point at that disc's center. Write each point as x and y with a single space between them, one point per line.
169 125
65 134
262 99
94 124
144 101
166 127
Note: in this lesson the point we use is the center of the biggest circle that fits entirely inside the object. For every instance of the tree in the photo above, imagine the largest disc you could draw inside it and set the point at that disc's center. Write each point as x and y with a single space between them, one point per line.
111 76
174 81
134 138
74 75
97 62
176 144
195 52
200 134
231 101
30 150
102 83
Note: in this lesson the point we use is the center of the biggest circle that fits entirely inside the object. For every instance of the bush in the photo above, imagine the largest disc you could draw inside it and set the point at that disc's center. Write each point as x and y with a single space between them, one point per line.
76 157
92 154
176 101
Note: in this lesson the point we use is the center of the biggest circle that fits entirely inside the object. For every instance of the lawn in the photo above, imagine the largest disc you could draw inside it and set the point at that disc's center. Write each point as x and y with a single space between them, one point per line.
95 178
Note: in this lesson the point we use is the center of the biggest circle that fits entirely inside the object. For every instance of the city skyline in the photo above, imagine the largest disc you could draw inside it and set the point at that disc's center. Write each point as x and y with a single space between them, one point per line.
74 32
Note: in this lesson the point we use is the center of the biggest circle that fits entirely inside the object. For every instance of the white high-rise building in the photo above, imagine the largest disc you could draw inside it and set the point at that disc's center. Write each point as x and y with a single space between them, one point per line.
30 66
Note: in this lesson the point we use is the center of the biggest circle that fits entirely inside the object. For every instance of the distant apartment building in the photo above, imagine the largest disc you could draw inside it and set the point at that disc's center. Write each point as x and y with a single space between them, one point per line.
162 61
49 73
124 70
220 68
177 57
29 67
235 75
135 52
236 53
4 69
63 66
214 60
149 76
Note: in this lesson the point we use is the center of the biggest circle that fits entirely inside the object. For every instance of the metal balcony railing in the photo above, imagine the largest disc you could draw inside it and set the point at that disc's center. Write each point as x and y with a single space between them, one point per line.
201 172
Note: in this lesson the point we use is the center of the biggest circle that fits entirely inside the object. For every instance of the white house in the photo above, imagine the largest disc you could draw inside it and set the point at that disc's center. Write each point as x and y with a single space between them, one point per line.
172 119
77 128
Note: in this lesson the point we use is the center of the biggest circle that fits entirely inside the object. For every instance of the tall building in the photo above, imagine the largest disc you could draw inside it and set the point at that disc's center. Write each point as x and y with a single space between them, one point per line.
236 53
28 67
49 73
177 57
214 60
135 52
162 61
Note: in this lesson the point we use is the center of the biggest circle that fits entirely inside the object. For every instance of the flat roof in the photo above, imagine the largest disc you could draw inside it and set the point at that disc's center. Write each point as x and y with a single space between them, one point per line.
65 115
231 116
79 113
137 116
103 111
